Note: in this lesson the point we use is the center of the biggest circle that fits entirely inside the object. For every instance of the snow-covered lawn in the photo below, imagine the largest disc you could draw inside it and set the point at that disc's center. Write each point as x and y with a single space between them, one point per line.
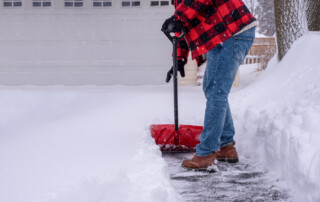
84 144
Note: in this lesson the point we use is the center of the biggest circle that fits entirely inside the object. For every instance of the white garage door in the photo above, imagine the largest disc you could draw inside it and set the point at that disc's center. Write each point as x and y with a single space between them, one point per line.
100 43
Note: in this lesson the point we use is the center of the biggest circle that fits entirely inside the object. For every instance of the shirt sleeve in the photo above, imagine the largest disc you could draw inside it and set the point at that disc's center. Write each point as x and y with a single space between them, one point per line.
183 49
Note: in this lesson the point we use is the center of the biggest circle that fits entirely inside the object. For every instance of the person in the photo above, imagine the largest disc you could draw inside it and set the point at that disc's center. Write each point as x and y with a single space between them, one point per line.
224 30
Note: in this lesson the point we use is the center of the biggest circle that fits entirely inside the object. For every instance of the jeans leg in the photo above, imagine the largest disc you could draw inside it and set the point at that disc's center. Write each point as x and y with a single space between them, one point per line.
228 129
222 66
242 44
217 84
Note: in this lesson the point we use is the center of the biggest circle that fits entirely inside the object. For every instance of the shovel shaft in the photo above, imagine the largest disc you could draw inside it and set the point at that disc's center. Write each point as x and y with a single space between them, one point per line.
175 82
175 40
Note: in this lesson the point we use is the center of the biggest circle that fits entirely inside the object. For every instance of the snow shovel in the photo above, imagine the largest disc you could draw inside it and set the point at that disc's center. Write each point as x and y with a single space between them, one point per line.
175 137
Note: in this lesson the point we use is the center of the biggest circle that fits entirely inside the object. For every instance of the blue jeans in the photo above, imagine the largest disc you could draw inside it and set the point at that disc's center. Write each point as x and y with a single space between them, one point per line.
222 65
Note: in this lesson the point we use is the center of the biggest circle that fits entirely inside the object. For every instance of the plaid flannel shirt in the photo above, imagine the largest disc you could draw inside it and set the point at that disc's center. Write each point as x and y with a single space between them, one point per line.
209 23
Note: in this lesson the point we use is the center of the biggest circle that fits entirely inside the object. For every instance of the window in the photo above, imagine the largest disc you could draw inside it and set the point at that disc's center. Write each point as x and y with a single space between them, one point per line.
126 3
41 3
102 3
12 3
136 3
159 3
107 4
131 3
164 3
154 3
73 3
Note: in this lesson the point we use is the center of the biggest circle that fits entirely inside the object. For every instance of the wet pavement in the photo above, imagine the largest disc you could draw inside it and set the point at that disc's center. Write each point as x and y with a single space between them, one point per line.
237 182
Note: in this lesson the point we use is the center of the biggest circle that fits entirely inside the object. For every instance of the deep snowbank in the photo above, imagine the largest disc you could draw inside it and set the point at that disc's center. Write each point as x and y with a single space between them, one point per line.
88 144
277 118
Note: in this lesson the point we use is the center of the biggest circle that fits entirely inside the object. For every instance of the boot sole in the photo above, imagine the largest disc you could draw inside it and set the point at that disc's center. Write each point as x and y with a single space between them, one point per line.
229 160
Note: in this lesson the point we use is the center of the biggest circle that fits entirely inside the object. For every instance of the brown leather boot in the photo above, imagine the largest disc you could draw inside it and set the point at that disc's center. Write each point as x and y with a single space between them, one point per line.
204 163
228 153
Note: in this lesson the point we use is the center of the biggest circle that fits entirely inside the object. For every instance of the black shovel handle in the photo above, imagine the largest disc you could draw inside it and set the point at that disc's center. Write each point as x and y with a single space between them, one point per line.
171 38
175 41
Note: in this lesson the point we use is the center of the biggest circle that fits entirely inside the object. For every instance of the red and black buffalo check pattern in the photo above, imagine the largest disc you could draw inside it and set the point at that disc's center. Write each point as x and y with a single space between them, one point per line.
209 23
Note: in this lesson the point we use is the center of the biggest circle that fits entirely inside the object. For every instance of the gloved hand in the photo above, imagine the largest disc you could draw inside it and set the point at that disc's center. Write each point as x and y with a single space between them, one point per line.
181 64
172 25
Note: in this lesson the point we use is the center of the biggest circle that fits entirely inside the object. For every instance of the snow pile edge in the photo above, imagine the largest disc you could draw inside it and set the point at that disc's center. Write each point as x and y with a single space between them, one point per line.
277 118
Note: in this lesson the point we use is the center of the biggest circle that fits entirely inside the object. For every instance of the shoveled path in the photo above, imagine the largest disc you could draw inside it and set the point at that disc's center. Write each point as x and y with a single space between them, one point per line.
242 181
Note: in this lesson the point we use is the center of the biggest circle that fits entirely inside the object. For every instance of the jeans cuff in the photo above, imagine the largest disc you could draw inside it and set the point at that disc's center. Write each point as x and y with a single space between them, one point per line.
204 154
230 143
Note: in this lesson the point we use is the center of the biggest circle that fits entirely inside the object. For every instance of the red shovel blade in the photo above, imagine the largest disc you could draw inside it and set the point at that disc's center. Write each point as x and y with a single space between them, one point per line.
183 140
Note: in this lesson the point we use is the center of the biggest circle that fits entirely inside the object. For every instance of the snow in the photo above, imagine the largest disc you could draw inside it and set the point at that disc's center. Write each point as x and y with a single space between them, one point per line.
85 144
277 118
258 35
90 143
248 74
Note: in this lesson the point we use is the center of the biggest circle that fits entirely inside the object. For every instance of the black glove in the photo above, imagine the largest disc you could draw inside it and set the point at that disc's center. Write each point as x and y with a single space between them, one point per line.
172 25
180 69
